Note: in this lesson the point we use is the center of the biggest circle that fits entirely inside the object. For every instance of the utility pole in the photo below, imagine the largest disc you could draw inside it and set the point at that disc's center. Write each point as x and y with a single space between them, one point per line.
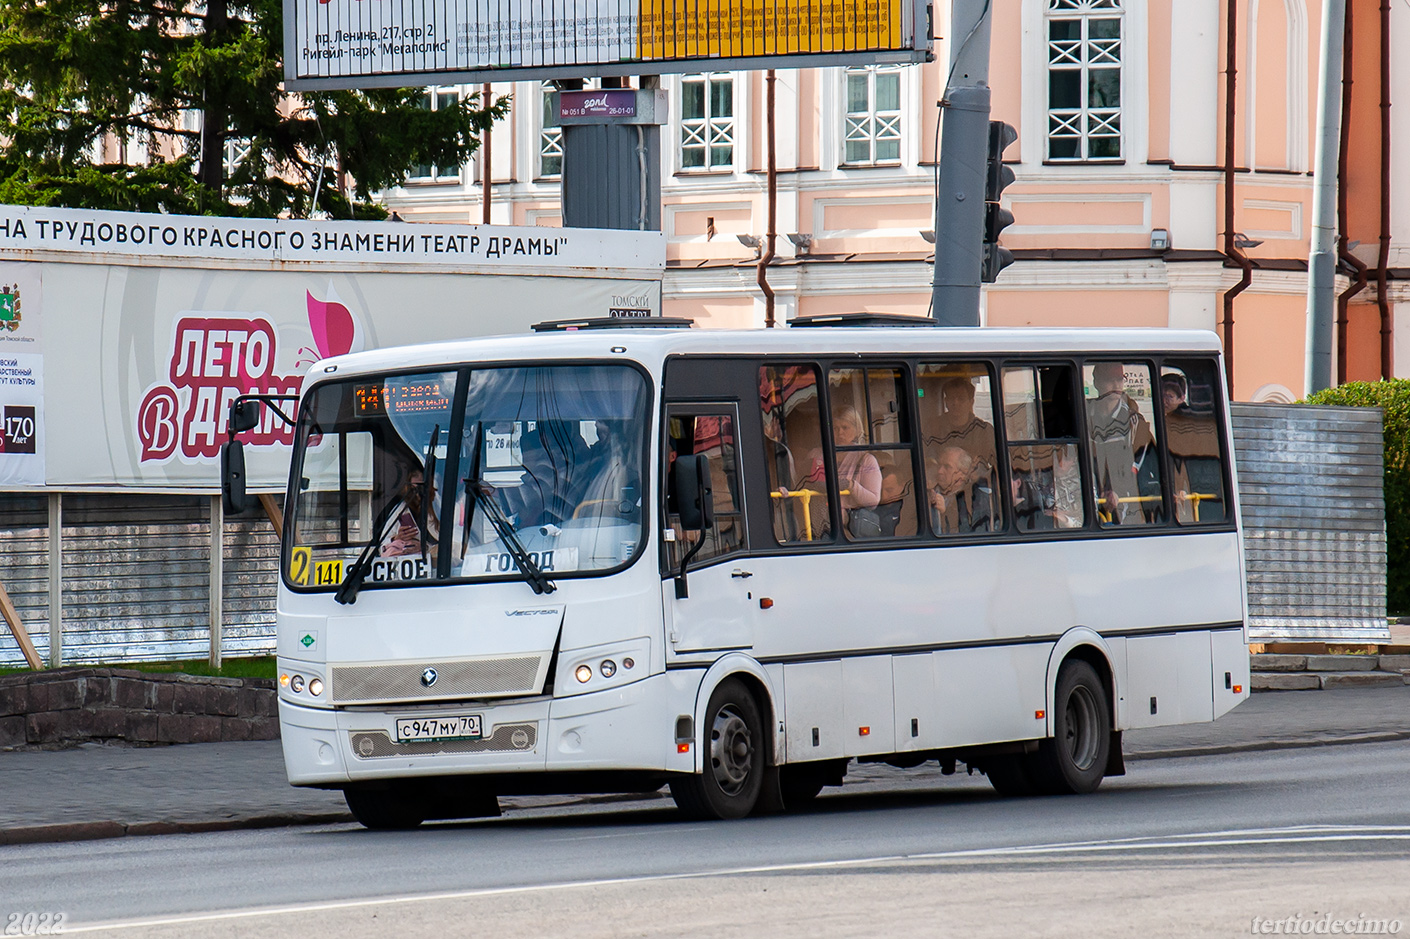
959 201
1322 263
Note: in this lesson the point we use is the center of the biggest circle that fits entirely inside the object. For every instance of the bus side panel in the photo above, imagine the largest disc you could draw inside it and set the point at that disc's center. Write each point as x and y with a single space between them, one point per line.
1231 669
993 694
868 710
1168 679
917 714
814 710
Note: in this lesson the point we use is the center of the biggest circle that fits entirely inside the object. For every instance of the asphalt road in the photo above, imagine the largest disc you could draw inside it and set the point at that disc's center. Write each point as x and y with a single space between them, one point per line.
1178 847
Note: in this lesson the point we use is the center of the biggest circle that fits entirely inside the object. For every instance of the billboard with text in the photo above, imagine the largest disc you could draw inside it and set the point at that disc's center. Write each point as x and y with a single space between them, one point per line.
370 43
124 337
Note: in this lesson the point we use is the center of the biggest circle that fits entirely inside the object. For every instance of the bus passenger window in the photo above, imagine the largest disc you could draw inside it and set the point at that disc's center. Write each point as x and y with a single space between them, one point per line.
872 442
957 431
1040 421
713 435
1125 461
788 399
1189 392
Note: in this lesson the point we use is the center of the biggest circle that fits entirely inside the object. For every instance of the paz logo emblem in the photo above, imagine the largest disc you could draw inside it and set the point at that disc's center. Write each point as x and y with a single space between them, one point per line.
428 677
10 307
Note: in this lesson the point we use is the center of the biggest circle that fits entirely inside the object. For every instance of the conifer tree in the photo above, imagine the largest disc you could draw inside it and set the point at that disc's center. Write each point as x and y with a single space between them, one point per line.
172 82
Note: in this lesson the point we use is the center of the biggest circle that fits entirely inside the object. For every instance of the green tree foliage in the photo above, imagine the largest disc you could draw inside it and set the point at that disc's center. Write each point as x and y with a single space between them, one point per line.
172 81
1393 398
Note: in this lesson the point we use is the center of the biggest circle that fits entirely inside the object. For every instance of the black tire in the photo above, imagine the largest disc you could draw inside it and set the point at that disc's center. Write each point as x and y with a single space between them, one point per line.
383 809
1073 760
734 752
1008 774
800 785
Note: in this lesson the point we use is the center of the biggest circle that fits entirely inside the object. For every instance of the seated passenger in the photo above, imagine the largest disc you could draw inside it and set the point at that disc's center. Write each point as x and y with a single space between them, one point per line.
1032 499
958 505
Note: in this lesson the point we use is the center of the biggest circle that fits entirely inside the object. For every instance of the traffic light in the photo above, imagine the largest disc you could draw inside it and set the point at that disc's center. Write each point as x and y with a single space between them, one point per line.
996 218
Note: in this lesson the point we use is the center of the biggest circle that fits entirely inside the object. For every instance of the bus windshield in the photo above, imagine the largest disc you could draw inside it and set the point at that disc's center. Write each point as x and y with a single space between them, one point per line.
555 452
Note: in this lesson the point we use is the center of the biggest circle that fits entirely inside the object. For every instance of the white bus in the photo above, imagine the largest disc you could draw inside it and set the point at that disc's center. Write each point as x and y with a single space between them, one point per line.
607 559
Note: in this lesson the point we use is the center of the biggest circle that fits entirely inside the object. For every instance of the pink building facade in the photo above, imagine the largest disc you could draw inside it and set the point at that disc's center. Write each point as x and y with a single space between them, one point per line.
1119 199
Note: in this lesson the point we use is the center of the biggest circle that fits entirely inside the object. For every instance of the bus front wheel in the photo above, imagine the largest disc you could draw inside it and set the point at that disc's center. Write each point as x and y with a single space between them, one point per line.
734 755
383 809
1074 759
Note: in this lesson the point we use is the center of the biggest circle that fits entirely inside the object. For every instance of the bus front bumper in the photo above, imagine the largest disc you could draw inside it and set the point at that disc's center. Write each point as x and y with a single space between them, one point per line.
631 727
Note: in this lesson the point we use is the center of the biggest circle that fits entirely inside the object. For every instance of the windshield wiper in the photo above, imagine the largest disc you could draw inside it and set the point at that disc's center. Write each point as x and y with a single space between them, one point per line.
352 580
533 574
428 477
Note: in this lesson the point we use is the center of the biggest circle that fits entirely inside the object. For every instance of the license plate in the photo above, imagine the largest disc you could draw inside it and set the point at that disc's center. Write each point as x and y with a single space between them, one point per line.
462 727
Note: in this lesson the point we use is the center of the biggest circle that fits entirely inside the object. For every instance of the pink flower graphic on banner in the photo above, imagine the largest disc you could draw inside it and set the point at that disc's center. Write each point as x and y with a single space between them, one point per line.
336 330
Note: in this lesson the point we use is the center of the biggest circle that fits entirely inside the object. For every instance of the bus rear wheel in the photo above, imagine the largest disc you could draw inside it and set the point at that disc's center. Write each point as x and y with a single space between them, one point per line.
1074 759
383 809
734 755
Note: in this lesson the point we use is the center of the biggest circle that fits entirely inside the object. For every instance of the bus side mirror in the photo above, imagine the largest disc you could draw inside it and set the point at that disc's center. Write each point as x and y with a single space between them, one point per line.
232 477
691 492
244 415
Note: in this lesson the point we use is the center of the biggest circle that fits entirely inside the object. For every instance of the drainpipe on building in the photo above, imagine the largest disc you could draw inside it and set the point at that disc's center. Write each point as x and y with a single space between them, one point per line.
486 177
1343 223
1321 262
771 236
1231 249
1383 261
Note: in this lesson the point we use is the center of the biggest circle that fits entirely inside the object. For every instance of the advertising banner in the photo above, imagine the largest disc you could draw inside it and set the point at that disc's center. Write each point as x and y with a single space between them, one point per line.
361 43
21 376
144 352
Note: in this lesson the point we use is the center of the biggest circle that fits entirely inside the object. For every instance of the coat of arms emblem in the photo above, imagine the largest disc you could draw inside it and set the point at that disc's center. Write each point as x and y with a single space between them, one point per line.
10 307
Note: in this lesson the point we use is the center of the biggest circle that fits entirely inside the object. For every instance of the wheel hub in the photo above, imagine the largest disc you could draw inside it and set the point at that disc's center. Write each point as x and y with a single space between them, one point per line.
1081 731
731 750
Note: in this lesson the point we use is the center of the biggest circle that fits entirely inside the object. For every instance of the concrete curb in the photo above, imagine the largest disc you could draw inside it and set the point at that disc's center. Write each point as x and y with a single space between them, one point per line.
93 831
1290 744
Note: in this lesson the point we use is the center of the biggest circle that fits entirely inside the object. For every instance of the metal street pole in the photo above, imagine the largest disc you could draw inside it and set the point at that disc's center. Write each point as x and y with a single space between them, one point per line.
1322 263
959 198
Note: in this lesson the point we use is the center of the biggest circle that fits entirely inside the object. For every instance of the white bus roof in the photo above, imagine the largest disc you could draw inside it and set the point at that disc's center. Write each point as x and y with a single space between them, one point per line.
652 346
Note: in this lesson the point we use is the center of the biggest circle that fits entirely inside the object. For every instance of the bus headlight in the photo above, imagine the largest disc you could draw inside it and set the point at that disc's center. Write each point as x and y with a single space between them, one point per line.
315 686
296 684
598 668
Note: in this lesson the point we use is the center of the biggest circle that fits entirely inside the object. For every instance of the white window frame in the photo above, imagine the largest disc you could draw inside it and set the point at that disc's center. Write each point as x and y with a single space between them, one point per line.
237 149
881 125
1082 55
549 136
711 130
439 175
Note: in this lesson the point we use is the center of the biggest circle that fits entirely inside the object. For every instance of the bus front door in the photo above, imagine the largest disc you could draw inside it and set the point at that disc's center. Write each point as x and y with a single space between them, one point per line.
722 597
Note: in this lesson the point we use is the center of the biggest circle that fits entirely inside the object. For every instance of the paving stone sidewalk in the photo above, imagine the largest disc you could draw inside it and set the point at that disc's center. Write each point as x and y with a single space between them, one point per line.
105 791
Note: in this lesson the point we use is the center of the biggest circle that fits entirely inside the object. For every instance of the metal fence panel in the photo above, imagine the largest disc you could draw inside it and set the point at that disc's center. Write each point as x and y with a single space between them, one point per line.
1311 490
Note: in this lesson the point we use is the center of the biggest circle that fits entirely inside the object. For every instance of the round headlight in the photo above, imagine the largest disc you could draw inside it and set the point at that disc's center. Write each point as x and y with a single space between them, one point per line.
584 673
315 686
608 668
297 683
628 662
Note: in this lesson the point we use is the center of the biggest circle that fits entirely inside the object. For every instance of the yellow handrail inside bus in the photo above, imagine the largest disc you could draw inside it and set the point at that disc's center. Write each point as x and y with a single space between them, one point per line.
807 496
